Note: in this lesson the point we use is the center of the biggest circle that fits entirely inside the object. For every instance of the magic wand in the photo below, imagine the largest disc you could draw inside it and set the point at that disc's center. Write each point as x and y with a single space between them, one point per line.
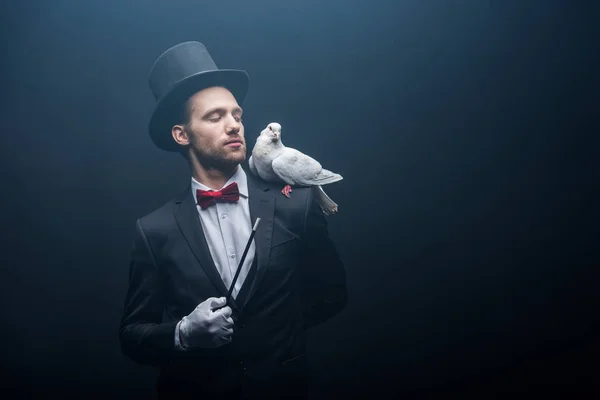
239 268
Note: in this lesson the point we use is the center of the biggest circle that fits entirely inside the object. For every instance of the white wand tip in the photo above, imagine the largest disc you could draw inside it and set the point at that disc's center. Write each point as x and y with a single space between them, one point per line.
256 224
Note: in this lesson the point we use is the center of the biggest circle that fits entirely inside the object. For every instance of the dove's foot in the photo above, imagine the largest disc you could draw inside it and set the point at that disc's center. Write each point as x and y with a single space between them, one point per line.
287 190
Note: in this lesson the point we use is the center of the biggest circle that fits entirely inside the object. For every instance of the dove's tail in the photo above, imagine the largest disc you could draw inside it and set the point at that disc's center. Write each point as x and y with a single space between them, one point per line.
325 177
327 205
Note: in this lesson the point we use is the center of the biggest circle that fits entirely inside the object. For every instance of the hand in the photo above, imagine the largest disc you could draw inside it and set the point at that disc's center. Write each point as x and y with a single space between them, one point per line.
206 328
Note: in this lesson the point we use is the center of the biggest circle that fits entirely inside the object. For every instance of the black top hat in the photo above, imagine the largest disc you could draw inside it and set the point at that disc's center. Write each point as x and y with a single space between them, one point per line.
176 75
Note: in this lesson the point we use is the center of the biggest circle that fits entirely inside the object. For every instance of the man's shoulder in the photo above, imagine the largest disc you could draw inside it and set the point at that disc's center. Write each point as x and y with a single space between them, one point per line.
163 215
298 198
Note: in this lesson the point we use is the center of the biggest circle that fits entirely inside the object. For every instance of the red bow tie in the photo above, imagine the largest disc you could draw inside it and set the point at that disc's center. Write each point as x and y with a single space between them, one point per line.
206 198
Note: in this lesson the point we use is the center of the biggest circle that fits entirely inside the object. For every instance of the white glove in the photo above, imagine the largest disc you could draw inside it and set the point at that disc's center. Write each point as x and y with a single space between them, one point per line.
205 328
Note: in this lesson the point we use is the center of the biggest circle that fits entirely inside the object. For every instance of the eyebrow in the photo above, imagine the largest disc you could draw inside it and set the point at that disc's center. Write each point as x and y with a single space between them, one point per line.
235 110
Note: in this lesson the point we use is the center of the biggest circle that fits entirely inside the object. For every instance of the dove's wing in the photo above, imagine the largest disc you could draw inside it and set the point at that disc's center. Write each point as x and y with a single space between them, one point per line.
326 176
296 168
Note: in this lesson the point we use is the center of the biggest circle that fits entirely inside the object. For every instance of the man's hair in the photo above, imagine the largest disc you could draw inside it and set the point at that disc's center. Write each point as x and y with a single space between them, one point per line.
183 117
184 112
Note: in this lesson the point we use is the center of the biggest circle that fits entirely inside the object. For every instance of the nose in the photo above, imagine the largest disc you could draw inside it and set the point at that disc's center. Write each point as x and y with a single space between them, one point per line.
234 126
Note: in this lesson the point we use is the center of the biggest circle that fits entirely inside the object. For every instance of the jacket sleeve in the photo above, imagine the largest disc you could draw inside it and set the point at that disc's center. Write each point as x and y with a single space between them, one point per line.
144 337
323 275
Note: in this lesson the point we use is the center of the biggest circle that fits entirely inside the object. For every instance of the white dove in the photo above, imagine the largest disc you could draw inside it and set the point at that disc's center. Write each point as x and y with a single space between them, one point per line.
273 162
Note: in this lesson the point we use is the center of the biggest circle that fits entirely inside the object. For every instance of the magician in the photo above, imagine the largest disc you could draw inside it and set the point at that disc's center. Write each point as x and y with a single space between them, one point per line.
185 257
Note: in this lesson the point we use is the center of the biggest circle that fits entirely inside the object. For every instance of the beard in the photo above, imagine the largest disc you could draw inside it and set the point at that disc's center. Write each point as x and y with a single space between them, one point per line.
218 156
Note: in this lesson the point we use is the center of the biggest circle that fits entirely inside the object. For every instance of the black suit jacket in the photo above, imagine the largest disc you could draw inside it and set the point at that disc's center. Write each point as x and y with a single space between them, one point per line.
297 282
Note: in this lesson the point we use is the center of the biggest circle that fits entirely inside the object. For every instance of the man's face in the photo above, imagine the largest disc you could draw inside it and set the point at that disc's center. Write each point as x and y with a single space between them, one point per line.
215 131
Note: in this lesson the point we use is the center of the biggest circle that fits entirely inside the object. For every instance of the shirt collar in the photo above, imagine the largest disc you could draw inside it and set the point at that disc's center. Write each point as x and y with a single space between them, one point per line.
239 177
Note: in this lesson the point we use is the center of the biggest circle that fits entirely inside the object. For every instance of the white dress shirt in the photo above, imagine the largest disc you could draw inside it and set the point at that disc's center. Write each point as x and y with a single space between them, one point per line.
227 228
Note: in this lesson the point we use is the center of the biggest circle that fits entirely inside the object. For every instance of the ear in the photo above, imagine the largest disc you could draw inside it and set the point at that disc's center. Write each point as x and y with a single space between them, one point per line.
180 135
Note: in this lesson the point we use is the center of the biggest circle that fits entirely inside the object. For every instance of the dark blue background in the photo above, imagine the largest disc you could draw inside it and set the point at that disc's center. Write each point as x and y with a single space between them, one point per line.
466 132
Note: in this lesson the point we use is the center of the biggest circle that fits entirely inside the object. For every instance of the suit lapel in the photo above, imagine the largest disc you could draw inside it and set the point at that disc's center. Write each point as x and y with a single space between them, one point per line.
262 205
187 218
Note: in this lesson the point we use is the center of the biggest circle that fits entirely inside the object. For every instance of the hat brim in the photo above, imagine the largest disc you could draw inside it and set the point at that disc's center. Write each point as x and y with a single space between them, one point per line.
168 107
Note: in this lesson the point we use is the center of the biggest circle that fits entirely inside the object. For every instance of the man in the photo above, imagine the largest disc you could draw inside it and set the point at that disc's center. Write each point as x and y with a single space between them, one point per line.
186 252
